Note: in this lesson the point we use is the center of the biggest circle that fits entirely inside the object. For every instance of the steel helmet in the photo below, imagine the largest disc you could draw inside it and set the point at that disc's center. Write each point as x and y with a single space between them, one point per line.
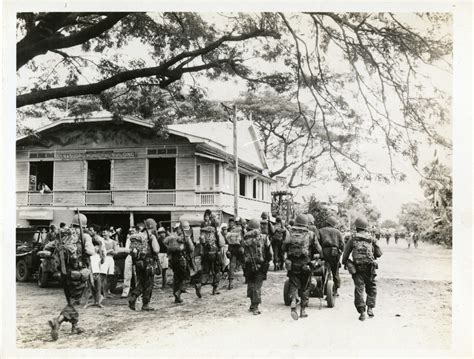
264 215
310 218
278 219
223 225
79 218
242 221
361 223
254 223
161 230
185 225
332 221
150 223
301 220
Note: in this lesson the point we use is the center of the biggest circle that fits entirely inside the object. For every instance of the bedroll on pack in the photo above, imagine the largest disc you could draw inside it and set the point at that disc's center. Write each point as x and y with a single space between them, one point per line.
234 237
363 251
278 235
253 251
175 244
298 244
138 245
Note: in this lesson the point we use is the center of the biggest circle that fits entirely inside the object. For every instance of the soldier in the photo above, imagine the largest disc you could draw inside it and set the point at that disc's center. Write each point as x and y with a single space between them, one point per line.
257 256
163 256
365 250
211 245
180 248
300 246
332 244
277 240
144 251
387 237
234 239
266 226
395 236
74 247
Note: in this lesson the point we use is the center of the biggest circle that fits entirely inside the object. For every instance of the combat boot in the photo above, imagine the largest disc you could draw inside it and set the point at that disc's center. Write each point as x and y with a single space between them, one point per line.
362 314
294 313
76 330
197 287
147 308
255 310
230 286
54 324
177 297
132 300
370 312
303 312
215 291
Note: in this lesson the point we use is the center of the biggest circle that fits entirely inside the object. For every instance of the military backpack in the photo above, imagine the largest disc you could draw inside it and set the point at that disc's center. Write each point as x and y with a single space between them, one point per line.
234 237
363 250
253 251
298 243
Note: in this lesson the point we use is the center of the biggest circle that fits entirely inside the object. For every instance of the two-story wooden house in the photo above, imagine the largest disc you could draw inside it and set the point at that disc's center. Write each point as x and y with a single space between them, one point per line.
120 171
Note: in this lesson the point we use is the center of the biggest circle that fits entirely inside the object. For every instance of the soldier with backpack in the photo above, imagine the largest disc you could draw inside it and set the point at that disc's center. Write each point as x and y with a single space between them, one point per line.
211 245
300 247
277 240
332 243
144 249
234 238
257 256
364 250
180 249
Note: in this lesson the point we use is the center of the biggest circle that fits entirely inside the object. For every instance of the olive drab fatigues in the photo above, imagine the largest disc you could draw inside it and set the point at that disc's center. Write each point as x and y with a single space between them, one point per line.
211 260
234 239
257 255
277 240
180 249
300 245
143 258
364 251
332 244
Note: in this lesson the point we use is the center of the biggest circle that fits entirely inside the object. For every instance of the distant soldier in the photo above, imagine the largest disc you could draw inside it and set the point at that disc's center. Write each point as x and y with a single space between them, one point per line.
74 253
266 227
257 255
387 237
180 248
332 244
163 255
234 239
211 245
364 250
377 233
277 240
396 236
410 238
416 238
300 246
144 250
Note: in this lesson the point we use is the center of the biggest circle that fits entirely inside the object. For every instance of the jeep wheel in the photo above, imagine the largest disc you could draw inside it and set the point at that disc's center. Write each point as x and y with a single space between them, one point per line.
330 297
42 278
22 271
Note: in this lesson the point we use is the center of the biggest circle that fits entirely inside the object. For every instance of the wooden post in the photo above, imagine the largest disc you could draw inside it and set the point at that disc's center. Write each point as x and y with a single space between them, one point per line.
236 163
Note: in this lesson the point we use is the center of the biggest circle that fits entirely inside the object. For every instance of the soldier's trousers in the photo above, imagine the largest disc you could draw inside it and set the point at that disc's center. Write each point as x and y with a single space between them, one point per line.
73 290
180 272
211 267
364 281
334 264
299 286
277 254
144 286
254 286
235 259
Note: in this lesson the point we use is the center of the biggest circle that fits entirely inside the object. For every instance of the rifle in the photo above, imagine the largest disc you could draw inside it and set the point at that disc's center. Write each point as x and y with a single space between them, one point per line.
86 259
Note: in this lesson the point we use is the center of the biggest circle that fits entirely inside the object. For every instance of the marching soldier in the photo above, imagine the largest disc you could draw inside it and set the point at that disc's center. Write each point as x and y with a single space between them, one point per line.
144 250
74 247
364 250
180 248
234 239
300 246
332 244
211 245
257 256
163 255
266 227
277 240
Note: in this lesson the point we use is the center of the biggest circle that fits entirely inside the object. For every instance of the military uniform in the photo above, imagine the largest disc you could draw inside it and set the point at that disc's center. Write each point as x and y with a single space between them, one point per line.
180 249
332 244
257 255
211 261
234 239
300 246
277 240
74 252
144 249
364 250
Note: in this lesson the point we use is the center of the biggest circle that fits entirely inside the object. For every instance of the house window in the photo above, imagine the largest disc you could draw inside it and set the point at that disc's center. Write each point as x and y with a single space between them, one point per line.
216 173
254 188
162 173
263 190
41 176
205 177
242 184
98 175
198 175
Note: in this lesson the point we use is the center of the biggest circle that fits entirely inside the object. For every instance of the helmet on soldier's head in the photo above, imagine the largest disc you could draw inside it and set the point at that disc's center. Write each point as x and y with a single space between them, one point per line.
361 223
185 225
150 223
79 218
332 221
254 223
161 230
301 220
291 222
264 215
278 219
310 218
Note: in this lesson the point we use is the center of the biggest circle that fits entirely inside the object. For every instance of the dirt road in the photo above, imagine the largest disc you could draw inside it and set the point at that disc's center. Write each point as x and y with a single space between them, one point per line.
413 315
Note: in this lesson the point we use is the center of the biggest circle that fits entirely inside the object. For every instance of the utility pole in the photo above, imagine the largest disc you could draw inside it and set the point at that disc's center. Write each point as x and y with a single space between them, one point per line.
236 163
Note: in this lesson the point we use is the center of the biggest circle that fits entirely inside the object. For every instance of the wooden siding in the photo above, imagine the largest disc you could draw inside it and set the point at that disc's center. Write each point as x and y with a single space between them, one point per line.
185 173
22 176
69 198
130 198
130 174
69 175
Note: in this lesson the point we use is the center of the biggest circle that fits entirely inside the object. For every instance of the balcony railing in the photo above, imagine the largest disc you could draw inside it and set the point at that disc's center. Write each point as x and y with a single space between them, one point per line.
156 198
98 198
207 199
40 199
